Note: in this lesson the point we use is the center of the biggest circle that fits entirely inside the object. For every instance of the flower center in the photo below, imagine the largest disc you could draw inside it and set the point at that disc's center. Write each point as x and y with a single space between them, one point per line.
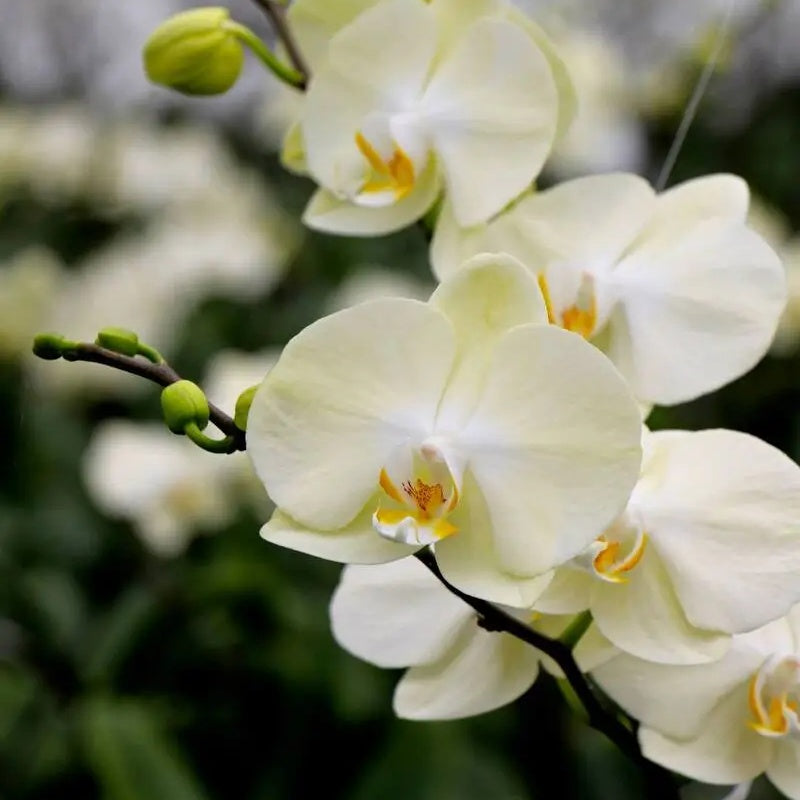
774 697
614 554
420 492
581 316
387 180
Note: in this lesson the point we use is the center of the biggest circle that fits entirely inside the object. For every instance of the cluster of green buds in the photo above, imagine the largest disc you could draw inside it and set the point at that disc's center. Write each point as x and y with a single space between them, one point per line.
184 405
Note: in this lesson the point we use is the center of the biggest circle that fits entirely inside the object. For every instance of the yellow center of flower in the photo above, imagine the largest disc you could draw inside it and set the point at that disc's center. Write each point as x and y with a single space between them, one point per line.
581 316
416 510
773 697
395 175
611 563
612 556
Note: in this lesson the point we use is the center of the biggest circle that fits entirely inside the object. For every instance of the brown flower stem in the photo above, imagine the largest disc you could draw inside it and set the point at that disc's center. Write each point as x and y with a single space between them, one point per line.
277 16
162 374
659 782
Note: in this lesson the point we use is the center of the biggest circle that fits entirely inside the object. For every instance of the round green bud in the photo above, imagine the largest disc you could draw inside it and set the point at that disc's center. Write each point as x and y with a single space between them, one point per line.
49 346
184 402
243 403
194 52
120 340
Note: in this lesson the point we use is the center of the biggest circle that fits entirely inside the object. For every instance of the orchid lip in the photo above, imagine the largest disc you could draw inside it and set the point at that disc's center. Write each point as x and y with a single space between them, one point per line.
773 696
419 494
617 552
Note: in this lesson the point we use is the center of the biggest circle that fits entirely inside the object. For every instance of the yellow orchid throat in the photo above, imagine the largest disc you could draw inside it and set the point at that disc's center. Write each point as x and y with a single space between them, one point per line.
773 697
395 176
611 563
419 510
581 317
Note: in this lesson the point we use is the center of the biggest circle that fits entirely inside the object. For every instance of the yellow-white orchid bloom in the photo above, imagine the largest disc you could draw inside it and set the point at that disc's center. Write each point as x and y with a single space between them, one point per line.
400 615
467 421
709 546
725 722
473 105
678 291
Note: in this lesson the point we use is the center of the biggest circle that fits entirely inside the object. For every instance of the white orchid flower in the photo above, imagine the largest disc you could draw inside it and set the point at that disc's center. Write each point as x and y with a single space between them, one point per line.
473 106
725 722
708 546
164 485
675 288
399 615
466 421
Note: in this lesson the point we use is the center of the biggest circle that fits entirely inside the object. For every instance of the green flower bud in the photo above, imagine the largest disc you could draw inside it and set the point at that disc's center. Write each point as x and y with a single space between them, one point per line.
49 346
120 340
195 52
184 402
243 403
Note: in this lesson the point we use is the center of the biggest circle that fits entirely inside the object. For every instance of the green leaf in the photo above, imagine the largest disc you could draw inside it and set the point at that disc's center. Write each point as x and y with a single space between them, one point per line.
438 762
131 756
118 633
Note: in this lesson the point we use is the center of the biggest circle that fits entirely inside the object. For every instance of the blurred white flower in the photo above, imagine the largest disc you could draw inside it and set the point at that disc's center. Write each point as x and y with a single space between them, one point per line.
228 375
162 483
606 133
146 167
213 229
165 485
369 282
787 336
29 284
106 66
51 151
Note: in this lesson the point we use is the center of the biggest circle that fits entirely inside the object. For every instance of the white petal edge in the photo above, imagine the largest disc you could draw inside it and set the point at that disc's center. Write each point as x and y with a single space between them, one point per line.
726 751
784 771
329 214
356 543
396 614
481 672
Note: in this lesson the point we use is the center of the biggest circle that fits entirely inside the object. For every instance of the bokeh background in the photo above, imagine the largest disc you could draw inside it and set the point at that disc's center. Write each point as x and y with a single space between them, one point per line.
152 647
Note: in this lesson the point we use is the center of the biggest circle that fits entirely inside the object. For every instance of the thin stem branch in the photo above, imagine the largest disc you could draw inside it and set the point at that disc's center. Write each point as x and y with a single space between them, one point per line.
282 71
277 16
696 98
161 374
660 783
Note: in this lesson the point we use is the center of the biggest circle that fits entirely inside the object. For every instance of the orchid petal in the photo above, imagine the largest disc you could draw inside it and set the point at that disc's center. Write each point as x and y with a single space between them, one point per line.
491 109
346 391
723 510
396 615
482 671
554 445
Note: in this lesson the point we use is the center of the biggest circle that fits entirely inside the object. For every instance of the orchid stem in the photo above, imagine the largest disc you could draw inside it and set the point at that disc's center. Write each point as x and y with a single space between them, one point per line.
660 783
575 630
159 373
284 72
277 15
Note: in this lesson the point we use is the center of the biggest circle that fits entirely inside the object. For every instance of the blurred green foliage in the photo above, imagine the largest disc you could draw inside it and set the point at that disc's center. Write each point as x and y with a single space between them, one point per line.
215 675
